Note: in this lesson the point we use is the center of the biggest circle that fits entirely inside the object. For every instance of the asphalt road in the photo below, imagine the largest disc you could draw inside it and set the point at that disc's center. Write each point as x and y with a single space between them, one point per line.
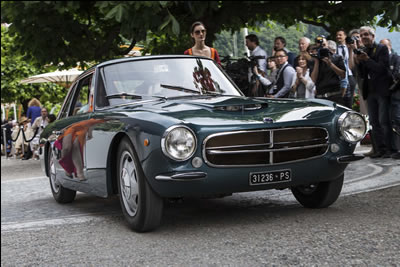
267 228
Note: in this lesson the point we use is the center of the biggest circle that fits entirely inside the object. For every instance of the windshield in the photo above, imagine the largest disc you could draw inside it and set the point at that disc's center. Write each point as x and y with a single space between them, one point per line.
167 77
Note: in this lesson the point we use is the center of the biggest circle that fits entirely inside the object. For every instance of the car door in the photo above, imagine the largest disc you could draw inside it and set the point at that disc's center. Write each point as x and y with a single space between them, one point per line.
71 135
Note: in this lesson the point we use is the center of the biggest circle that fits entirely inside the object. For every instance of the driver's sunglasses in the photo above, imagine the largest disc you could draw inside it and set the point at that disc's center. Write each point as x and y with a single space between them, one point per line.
199 31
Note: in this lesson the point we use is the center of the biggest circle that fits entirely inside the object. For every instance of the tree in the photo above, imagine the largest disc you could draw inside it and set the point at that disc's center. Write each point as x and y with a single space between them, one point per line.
81 31
14 67
266 33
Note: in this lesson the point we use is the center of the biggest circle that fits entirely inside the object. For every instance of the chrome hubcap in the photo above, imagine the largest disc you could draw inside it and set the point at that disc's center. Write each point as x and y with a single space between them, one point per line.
129 183
53 179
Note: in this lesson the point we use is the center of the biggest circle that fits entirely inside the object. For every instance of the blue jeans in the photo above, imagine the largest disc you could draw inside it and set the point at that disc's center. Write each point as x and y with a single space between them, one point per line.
378 112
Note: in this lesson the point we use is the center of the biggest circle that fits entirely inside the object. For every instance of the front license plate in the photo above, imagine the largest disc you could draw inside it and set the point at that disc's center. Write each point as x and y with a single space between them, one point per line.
259 178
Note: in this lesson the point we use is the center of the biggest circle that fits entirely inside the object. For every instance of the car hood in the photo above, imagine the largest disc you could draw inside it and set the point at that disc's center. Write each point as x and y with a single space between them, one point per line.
225 110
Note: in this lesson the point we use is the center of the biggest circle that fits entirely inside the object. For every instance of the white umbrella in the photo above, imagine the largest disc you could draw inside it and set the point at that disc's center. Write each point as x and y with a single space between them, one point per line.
64 77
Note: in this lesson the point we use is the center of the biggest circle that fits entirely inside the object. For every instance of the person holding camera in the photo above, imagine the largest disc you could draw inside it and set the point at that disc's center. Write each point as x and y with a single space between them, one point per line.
253 45
394 63
355 35
329 70
346 51
273 69
285 77
258 61
267 79
374 67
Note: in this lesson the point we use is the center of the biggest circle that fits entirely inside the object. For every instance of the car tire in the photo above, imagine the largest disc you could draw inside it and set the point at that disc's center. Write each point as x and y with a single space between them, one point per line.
320 195
141 206
61 194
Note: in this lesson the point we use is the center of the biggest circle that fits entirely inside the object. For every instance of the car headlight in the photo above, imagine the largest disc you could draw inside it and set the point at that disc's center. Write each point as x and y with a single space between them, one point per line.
352 126
179 143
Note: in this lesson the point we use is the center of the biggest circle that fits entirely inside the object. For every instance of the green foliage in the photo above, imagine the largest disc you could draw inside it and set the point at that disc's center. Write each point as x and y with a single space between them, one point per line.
50 32
166 44
85 31
14 68
266 33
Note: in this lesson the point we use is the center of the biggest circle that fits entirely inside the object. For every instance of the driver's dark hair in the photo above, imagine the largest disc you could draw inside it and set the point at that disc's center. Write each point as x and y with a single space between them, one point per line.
253 38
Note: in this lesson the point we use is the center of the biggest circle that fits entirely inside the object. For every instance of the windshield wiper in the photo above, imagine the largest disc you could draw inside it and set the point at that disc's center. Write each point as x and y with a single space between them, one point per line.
179 88
124 95
211 93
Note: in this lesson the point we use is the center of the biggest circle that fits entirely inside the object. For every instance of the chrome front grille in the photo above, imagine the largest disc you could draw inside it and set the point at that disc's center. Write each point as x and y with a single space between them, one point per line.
264 147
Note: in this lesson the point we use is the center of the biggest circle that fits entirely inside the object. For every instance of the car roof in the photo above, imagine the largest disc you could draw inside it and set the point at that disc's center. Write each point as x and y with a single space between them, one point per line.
127 59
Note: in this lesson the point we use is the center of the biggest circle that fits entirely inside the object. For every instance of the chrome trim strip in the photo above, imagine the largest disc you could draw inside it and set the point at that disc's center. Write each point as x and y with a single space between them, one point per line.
349 158
219 152
186 176
258 106
238 146
271 154
272 130
293 142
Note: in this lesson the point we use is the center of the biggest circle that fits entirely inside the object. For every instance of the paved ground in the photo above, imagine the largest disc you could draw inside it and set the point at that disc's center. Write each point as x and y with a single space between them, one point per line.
267 228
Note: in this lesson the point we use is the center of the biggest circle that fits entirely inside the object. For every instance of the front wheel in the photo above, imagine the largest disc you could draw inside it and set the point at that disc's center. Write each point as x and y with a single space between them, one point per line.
141 206
320 195
60 193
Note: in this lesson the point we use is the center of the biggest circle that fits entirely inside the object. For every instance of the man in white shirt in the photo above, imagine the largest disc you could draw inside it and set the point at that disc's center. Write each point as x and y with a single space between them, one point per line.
252 44
347 55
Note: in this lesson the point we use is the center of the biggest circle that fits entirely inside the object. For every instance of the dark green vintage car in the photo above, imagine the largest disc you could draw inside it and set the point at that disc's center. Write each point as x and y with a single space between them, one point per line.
157 127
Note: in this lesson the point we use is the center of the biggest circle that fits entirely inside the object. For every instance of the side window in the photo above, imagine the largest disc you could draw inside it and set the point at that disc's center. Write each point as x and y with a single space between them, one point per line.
80 103
65 109
101 99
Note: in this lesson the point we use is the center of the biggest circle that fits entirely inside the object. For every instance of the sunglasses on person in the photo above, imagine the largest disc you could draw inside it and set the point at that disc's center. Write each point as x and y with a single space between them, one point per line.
199 31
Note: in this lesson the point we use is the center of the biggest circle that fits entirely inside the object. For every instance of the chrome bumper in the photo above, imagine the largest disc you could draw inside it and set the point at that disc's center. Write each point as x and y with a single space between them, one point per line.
183 176
348 158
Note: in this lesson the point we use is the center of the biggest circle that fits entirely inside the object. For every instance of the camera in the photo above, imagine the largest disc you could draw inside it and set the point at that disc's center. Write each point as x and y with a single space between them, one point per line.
358 51
323 52
319 39
351 40
253 60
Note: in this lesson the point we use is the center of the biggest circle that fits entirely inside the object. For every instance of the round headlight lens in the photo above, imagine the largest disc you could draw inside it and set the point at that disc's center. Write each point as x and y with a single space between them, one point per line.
178 143
352 127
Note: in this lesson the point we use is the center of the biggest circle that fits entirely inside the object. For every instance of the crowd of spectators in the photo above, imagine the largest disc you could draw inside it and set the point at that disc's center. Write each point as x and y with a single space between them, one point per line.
22 137
336 71
325 69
